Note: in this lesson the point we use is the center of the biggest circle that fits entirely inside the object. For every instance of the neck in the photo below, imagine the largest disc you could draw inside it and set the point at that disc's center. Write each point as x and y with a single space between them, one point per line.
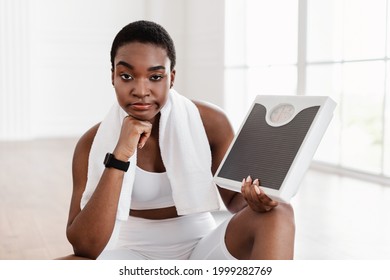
155 125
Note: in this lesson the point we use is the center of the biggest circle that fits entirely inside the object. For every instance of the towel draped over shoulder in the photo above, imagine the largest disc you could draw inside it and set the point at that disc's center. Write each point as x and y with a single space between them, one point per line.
185 152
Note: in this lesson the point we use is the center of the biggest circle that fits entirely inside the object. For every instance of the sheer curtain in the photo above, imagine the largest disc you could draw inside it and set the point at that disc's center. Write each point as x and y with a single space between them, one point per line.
337 48
55 72
14 69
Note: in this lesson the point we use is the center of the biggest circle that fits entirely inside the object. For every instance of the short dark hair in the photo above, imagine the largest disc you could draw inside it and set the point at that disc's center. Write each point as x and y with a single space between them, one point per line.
144 32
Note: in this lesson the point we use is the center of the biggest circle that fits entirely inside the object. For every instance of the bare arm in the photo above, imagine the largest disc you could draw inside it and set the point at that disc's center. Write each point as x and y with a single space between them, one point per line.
220 134
90 229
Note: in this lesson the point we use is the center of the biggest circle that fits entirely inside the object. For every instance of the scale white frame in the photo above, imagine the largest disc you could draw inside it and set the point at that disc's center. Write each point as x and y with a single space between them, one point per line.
280 110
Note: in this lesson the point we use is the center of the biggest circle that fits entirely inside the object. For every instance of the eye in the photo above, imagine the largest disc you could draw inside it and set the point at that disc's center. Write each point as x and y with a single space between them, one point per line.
156 77
126 77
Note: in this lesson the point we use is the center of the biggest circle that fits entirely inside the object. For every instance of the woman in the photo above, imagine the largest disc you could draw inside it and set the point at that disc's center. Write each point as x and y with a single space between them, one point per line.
168 193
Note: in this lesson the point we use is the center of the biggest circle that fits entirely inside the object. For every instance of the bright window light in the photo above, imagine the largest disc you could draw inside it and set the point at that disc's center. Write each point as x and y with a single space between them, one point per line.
341 51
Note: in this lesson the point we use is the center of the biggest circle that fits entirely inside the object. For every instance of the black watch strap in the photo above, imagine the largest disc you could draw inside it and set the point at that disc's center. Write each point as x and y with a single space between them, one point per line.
111 161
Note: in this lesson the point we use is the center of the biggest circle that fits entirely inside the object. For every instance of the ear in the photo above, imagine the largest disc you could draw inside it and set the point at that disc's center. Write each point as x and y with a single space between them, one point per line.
112 76
173 73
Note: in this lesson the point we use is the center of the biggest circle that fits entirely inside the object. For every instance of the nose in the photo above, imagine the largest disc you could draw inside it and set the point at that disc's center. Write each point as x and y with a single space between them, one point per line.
141 89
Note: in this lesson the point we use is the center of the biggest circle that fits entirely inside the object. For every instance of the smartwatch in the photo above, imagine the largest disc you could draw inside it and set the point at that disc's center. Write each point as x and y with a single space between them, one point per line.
111 161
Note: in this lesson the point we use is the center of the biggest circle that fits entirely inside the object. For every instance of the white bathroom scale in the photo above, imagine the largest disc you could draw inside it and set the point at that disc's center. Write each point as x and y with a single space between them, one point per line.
276 143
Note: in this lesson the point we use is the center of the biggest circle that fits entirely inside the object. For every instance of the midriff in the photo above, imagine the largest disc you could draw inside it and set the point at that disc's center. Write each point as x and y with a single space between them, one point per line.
155 214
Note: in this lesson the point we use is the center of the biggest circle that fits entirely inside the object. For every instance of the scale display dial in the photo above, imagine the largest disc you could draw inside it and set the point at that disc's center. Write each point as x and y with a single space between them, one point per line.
282 113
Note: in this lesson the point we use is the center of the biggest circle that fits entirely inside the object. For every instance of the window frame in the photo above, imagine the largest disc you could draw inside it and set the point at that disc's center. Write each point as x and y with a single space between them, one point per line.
302 65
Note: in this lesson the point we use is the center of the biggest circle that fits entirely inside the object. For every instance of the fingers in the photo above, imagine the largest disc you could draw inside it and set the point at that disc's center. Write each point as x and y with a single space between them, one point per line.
245 187
248 188
134 134
143 138
139 128
256 196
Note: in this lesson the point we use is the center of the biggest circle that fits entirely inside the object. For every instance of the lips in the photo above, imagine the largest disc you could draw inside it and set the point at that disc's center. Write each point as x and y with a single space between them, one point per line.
141 106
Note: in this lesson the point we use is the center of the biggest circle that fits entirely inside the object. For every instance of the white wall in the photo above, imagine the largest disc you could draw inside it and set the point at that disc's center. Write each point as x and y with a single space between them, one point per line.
197 27
70 63
55 76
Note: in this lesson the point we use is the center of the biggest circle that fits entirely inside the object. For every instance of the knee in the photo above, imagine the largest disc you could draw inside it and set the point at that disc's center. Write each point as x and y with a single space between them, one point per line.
286 215
274 229
285 212
280 216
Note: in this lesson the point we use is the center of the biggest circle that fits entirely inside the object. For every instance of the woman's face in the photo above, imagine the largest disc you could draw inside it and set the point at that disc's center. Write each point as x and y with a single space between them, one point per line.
142 79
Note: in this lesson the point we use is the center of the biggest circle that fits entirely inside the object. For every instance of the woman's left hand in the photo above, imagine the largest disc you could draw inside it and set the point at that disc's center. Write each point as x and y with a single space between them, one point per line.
255 197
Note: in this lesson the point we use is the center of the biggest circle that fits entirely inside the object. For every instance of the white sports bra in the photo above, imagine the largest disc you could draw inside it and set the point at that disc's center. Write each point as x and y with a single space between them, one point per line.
151 190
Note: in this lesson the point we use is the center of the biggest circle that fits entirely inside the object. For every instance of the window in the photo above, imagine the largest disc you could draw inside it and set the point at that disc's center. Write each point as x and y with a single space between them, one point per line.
261 51
337 48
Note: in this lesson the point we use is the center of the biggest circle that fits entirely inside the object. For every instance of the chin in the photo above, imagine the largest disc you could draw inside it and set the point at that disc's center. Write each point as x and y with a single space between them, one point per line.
144 117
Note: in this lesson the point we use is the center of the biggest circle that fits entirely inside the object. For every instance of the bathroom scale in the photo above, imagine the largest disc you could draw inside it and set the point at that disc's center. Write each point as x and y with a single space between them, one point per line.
276 143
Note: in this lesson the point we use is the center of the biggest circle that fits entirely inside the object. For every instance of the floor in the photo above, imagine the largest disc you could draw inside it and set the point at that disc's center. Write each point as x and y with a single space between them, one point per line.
341 218
336 217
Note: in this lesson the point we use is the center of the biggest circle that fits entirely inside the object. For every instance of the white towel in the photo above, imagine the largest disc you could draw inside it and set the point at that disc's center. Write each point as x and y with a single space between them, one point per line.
185 152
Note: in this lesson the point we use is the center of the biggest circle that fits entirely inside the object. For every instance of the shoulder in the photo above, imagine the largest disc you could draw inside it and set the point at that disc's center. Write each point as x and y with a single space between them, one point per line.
212 115
214 120
85 142
82 149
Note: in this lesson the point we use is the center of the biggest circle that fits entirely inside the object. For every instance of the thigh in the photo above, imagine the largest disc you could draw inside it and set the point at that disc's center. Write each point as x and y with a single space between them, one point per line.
269 235
212 246
120 254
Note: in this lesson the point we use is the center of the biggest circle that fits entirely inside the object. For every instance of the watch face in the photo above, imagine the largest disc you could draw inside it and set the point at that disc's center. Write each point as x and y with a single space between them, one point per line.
107 158
111 161
282 113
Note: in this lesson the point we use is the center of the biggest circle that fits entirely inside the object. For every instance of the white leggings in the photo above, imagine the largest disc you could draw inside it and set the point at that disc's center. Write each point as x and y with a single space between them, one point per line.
187 237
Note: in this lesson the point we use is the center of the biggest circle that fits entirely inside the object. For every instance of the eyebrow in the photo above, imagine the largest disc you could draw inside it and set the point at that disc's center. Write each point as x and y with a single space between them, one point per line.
152 68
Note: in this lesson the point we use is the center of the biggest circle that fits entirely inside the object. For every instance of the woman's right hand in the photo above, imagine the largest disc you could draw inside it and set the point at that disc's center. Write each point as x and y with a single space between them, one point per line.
89 229
134 134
